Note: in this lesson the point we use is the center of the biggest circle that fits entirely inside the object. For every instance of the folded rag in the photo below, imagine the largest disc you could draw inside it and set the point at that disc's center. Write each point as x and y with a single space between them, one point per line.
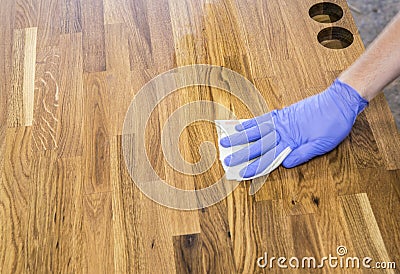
226 128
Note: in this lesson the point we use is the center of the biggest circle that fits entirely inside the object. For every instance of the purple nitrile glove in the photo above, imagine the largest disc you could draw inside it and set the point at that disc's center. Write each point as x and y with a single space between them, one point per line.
311 127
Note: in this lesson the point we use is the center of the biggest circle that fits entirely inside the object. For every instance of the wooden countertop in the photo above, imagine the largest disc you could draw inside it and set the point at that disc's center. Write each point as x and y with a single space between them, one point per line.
69 71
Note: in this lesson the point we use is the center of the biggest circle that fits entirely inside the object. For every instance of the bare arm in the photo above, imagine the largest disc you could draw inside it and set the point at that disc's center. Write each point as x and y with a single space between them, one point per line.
379 65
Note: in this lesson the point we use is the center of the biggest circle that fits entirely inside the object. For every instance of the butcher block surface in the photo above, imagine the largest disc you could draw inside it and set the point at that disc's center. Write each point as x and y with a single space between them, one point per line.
68 204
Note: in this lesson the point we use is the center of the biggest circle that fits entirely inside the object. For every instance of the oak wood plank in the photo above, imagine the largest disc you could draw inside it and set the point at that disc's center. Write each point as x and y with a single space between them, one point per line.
273 231
243 228
364 147
382 188
54 242
7 21
21 95
7 18
96 140
93 36
385 131
69 133
29 74
46 99
26 13
162 44
343 169
217 247
71 20
182 222
114 12
364 230
15 94
15 172
70 245
187 27
140 44
139 247
264 28
222 31
127 221
187 250
49 27
122 84
97 244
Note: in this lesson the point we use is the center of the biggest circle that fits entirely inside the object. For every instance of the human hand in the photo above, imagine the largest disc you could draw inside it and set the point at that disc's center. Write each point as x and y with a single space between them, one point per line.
311 127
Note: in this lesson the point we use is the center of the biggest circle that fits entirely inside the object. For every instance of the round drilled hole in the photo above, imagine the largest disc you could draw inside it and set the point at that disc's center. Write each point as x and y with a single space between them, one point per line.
335 38
326 12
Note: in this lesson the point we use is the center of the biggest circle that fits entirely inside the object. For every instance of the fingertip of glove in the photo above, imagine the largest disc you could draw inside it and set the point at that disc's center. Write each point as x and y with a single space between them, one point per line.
291 162
228 160
247 172
239 127
225 142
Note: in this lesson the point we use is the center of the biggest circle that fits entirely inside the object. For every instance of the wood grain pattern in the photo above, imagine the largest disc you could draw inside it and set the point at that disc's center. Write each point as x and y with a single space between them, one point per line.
97 230
71 16
23 77
93 36
272 230
127 221
7 18
14 199
363 145
47 99
384 199
29 74
96 144
69 128
385 132
26 14
370 243
49 28
122 84
15 94
69 70
188 257
55 215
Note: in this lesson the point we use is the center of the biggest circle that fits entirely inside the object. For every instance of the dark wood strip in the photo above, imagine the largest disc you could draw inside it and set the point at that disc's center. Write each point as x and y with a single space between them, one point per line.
217 250
363 145
71 19
140 46
385 131
49 27
26 14
94 55
188 256
97 128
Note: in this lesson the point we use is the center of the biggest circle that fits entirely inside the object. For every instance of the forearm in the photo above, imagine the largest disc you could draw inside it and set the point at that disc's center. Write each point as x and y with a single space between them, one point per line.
379 65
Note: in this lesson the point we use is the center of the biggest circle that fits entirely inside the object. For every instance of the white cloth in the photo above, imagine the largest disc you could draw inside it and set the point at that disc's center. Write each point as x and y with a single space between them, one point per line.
227 127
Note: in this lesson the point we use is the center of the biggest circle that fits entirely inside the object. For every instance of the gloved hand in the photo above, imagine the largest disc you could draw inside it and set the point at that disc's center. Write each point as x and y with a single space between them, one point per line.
311 127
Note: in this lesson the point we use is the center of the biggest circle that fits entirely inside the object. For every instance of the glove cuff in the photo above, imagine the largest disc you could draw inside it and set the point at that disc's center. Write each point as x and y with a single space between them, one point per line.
354 98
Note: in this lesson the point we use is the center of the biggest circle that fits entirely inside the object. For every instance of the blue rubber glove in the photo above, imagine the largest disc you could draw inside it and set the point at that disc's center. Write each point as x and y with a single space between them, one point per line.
311 127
